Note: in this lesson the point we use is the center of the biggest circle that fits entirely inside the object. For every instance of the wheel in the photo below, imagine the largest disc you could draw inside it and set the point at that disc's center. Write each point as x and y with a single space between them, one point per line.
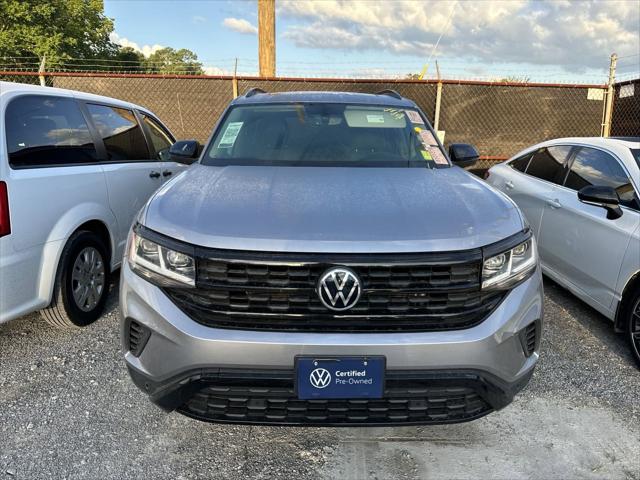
81 284
632 330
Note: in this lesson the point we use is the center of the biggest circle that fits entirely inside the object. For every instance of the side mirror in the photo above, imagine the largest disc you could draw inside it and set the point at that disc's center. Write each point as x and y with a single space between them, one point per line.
600 196
463 154
185 151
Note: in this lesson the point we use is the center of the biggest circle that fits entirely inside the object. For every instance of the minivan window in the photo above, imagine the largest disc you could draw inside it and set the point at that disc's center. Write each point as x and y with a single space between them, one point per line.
120 132
595 167
548 163
47 131
521 163
324 134
160 138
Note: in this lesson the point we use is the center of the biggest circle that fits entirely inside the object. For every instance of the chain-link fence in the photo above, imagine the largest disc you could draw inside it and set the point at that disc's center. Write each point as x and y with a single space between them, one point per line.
500 118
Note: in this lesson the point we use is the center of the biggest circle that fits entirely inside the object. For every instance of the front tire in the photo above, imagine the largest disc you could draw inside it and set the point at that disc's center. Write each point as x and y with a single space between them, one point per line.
82 282
632 323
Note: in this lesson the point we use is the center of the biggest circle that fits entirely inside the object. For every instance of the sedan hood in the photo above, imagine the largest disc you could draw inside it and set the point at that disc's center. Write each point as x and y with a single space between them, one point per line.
326 209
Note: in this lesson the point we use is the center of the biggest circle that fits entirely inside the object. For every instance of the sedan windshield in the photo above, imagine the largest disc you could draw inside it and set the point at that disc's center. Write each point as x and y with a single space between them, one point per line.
324 134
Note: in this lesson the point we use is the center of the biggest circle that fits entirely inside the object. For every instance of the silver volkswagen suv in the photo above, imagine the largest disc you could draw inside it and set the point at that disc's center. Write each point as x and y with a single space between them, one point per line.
327 263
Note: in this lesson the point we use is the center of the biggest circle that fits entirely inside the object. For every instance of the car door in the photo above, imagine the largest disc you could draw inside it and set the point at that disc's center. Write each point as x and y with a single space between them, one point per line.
542 172
582 246
160 139
132 175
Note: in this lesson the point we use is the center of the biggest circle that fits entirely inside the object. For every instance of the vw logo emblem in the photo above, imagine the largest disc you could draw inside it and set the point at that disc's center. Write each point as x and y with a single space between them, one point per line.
339 289
320 378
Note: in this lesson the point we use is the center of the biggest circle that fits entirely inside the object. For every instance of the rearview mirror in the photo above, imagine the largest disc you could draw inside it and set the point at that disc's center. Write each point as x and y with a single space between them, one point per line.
463 154
185 151
601 196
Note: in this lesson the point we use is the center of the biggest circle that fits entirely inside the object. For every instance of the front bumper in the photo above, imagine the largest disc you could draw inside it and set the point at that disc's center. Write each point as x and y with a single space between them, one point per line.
245 376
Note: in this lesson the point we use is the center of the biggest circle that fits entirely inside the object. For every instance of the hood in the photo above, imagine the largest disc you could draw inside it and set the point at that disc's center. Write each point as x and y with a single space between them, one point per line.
325 209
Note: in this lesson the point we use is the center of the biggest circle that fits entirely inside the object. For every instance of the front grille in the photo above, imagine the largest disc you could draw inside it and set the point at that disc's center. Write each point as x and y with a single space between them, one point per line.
406 401
406 292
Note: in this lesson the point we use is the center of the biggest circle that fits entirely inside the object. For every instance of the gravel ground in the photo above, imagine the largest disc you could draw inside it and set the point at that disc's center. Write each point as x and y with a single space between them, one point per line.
69 410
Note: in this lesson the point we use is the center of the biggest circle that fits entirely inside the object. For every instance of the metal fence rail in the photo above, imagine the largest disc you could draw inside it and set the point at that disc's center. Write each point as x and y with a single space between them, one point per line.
500 118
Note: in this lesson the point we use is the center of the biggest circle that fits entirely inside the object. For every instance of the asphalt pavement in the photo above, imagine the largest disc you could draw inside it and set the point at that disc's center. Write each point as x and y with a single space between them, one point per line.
69 410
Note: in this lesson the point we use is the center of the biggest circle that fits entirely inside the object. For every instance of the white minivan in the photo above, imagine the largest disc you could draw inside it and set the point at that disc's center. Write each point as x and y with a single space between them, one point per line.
75 168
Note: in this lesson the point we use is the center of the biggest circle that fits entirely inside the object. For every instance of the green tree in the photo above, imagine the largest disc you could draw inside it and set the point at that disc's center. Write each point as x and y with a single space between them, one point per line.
128 59
59 29
168 60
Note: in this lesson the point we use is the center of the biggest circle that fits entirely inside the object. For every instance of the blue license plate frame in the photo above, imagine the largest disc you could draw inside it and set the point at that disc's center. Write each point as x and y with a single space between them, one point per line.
340 377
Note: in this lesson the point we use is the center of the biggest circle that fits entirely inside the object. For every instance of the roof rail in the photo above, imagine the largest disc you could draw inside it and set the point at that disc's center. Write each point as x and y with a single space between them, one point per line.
252 91
391 93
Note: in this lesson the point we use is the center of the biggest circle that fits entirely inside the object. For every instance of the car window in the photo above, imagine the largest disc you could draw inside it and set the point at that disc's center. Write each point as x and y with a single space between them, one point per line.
548 163
636 154
521 163
47 131
120 132
160 139
595 167
325 134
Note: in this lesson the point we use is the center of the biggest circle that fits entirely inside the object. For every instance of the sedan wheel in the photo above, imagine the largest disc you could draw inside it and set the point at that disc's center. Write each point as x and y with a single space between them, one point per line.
634 329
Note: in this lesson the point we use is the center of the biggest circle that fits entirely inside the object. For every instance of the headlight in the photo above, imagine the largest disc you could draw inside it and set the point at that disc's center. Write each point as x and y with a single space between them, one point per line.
158 263
508 268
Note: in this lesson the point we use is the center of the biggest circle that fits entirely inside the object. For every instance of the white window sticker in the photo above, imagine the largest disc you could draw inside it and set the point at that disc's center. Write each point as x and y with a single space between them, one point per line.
375 118
230 135
427 138
437 155
414 117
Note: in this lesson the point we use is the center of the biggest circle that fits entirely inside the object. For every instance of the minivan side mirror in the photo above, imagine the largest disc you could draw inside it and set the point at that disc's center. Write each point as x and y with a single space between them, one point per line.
463 154
185 151
602 196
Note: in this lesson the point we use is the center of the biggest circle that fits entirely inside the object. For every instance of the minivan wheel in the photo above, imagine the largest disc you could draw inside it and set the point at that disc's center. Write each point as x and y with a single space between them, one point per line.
82 282
632 315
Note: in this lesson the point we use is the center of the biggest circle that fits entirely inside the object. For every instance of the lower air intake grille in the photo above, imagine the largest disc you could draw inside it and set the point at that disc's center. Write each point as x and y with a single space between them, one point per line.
405 401
137 338
528 338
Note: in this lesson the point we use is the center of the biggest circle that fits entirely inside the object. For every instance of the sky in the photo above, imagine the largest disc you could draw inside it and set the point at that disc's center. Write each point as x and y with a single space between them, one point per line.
561 41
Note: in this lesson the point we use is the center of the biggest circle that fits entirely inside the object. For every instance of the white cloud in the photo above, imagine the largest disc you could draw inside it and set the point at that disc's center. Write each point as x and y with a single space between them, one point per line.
146 50
198 19
574 35
240 25
211 70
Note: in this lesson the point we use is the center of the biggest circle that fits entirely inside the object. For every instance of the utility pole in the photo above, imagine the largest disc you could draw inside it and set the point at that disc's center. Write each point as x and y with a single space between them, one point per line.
608 109
267 37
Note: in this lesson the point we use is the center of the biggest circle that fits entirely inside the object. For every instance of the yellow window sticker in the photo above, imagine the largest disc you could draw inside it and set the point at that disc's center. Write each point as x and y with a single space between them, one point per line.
426 155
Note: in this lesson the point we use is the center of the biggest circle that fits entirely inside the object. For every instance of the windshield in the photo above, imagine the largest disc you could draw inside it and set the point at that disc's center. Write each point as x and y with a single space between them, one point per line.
324 134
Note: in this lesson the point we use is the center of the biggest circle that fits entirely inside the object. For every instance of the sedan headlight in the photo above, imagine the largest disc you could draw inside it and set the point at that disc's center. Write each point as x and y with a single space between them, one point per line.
508 268
159 263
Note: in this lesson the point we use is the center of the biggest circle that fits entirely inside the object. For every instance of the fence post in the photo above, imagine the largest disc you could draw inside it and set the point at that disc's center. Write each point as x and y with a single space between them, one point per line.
234 80
436 119
608 111
43 81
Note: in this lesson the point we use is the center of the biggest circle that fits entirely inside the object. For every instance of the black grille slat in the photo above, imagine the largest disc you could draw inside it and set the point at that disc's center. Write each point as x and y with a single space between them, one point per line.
277 292
404 401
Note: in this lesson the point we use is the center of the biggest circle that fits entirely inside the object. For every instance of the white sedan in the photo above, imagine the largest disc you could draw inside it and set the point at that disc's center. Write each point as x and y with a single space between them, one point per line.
581 198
